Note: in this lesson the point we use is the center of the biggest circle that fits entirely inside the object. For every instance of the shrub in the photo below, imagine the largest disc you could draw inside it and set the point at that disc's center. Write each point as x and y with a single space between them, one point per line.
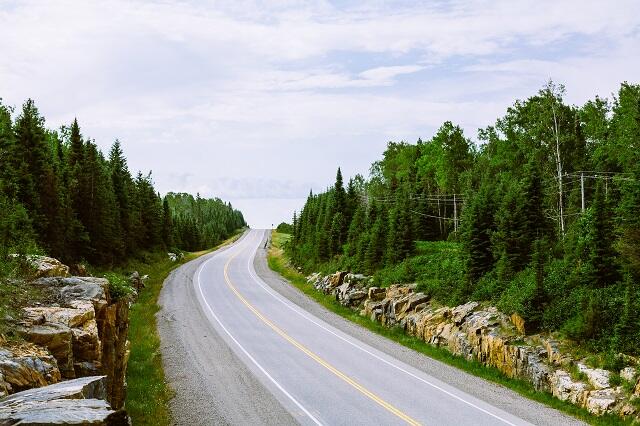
119 286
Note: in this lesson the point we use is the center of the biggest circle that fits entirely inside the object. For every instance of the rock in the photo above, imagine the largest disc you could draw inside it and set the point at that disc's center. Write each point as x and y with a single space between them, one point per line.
78 269
336 280
459 313
45 266
86 332
25 366
357 279
137 281
77 288
600 401
376 294
598 378
71 317
79 401
565 389
628 374
57 338
518 322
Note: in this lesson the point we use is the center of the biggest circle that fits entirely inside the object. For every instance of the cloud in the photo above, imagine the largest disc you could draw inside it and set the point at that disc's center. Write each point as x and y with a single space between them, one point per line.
248 98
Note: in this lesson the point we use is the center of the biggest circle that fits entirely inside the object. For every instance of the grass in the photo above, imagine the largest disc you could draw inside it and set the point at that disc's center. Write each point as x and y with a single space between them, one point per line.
13 297
279 263
148 394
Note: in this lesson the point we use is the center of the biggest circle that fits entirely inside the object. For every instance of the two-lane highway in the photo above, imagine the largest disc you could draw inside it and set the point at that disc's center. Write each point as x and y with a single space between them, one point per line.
237 352
321 375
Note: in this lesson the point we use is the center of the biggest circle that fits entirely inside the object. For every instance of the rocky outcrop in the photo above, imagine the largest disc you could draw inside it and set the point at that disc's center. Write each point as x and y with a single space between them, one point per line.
25 366
481 333
80 332
84 330
79 401
43 266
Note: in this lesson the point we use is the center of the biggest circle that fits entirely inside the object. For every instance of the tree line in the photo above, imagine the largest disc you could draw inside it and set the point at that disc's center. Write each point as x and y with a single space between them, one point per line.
60 194
545 211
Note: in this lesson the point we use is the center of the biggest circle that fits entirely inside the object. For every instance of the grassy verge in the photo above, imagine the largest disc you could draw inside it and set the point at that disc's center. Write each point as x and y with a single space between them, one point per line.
148 393
279 263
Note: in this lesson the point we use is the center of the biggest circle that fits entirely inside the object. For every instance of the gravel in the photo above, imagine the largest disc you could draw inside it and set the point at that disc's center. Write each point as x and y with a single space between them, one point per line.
212 385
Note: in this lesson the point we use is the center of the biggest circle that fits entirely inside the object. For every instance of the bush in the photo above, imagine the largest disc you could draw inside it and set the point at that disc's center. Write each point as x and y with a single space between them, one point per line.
119 286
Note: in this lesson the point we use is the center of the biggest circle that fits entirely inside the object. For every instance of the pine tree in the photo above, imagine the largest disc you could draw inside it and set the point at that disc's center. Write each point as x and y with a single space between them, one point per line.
478 225
601 268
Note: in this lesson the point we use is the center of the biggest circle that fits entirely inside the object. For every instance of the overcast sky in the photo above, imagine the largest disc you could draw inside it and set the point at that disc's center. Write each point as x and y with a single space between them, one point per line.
257 102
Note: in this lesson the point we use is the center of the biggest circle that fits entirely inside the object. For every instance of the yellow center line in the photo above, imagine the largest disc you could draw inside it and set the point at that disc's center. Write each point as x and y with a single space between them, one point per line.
312 355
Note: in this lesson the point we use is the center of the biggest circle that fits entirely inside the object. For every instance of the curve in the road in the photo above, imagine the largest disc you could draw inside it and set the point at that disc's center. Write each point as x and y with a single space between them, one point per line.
252 318
387 406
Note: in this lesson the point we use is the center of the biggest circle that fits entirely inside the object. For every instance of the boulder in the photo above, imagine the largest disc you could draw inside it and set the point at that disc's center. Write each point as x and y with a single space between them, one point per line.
72 289
336 280
628 374
565 389
25 366
57 338
44 266
597 377
79 401
601 401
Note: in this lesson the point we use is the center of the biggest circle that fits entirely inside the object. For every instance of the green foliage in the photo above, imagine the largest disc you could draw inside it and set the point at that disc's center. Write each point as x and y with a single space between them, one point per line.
544 212
119 285
200 223
60 193
285 228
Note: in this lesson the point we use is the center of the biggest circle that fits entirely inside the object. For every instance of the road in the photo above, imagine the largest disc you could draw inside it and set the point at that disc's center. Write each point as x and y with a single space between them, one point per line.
239 352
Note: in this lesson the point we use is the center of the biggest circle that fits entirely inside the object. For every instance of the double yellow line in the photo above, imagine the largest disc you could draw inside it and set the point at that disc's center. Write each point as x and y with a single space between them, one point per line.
312 355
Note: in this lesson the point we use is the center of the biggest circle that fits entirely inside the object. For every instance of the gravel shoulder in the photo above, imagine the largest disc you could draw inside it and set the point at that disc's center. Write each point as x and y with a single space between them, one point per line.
212 385
496 395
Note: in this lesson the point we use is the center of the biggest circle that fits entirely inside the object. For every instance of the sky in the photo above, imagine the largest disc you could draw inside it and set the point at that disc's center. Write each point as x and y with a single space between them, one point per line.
257 102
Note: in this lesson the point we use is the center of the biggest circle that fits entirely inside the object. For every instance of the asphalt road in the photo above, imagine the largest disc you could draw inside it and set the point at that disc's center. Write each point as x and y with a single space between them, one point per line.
239 352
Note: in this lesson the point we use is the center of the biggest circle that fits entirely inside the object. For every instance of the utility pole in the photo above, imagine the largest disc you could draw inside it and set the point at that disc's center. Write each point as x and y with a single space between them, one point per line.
582 189
455 214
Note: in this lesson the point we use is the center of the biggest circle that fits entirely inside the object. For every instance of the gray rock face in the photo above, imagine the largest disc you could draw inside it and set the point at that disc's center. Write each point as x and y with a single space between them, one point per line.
79 401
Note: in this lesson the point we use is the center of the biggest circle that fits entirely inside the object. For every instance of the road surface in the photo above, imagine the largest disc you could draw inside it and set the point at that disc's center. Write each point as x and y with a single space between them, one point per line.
239 352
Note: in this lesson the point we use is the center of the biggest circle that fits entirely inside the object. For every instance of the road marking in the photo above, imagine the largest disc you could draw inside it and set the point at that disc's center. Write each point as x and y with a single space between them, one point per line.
253 360
295 308
313 356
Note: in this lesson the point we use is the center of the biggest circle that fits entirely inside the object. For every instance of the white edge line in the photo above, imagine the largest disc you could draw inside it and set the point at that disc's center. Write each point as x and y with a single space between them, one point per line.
295 401
300 312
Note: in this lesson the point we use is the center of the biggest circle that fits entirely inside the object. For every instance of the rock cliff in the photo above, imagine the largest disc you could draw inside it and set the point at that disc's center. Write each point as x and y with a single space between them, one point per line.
81 331
479 332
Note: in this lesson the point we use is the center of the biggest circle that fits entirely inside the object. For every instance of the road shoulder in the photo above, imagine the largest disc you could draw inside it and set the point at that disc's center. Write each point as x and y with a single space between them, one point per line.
492 393
211 384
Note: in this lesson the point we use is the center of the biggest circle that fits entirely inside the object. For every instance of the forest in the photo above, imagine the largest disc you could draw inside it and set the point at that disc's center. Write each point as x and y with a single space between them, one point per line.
60 195
540 216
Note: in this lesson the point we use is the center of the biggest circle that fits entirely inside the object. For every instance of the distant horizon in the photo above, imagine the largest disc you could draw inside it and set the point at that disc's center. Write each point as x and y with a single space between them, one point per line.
302 88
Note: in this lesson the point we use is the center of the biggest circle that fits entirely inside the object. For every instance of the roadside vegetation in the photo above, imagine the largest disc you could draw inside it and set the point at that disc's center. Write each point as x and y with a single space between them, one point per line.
61 196
540 218
279 262
148 394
